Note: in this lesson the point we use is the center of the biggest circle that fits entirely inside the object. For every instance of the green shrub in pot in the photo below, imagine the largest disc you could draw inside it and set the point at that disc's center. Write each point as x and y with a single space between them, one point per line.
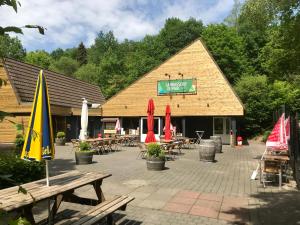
84 155
155 157
60 138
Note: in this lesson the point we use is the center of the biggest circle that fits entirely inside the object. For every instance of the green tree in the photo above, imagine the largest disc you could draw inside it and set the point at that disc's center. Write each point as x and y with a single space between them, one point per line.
57 53
89 73
228 49
65 65
254 93
284 93
111 78
176 33
39 58
81 54
232 19
103 42
253 23
11 47
280 57
148 53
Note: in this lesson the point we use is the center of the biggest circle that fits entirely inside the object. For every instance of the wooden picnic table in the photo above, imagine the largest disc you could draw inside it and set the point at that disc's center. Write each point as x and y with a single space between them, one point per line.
61 188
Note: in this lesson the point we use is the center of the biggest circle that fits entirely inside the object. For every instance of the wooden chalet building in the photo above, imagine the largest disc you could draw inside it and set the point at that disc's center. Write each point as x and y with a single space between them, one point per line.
65 93
199 94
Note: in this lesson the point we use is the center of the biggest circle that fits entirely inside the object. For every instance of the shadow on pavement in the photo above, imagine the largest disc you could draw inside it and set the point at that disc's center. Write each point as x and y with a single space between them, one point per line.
269 208
59 166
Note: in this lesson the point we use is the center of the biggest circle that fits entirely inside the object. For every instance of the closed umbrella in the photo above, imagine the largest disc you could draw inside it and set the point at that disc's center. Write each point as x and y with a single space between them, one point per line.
84 120
118 125
38 143
168 133
150 122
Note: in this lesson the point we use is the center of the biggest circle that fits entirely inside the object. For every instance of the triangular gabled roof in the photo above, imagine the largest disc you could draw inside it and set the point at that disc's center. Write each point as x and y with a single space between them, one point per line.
63 90
215 96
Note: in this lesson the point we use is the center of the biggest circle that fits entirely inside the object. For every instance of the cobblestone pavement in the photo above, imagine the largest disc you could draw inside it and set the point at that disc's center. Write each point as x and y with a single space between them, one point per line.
187 191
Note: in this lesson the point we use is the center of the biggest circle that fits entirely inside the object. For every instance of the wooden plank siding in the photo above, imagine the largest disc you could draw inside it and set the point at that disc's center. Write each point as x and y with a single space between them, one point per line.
214 97
8 129
21 79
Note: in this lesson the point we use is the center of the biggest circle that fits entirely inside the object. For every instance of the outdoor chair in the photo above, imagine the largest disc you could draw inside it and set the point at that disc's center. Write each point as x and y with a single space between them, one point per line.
270 169
143 151
177 145
192 142
75 144
168 149
186 143
113 144
108 145
100 147
120 143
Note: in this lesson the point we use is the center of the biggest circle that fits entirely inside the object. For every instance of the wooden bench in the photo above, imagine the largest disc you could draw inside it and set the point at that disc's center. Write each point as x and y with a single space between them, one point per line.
100 211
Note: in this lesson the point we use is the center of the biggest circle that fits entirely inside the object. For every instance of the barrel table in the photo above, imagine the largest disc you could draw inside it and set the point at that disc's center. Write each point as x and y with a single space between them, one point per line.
207 150
218 143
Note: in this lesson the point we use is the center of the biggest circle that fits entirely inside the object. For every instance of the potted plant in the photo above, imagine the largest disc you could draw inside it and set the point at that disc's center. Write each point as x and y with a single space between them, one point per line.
84 154
60 138
155 157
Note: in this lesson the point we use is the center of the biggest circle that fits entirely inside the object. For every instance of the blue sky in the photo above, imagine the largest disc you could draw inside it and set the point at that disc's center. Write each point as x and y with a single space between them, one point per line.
69 22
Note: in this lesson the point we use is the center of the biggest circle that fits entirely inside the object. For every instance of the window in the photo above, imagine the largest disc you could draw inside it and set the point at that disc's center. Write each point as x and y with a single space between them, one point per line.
218 125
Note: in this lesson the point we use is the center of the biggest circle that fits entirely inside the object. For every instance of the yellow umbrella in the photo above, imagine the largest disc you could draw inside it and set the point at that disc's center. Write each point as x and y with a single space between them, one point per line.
38 143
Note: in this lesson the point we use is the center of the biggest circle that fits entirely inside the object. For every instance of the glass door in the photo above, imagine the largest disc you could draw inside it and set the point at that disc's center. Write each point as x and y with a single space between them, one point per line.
144 129
222 128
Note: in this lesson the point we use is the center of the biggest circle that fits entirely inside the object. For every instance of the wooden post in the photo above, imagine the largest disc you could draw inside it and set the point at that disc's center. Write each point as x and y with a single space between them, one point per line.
183 127
233 129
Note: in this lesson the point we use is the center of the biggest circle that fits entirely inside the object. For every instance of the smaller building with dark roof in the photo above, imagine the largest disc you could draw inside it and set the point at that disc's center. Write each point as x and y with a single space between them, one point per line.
65 94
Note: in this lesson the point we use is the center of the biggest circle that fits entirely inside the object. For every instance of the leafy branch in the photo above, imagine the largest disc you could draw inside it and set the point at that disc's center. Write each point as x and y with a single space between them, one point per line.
15 4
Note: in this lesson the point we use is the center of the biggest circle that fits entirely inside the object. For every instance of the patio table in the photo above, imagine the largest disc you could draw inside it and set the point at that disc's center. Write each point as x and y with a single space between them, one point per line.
61 188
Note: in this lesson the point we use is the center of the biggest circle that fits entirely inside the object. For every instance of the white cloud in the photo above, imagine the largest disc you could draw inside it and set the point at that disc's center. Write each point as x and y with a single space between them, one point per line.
70 21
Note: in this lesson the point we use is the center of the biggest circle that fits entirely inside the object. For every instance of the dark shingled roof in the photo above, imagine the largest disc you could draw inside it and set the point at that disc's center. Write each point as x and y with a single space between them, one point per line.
63 90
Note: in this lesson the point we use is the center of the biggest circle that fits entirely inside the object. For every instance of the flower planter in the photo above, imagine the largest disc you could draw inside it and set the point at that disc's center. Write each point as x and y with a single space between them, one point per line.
60 141
84 157
155 164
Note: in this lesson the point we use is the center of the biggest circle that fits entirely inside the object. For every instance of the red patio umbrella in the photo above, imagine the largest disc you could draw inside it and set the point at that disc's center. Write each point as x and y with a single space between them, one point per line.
168 134
277 138
150 122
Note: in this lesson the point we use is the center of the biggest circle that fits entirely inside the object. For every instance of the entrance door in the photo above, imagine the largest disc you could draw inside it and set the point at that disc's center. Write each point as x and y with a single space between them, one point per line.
222 128
144 129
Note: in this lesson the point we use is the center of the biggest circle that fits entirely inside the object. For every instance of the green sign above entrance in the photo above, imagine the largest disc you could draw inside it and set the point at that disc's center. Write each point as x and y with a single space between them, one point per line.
180 86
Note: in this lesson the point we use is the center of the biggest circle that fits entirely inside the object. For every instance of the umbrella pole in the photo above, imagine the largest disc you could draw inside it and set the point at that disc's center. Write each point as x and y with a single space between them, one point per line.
47 183
47 173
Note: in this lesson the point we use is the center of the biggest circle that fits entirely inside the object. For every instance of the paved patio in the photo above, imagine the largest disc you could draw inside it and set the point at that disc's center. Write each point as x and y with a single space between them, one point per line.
187 191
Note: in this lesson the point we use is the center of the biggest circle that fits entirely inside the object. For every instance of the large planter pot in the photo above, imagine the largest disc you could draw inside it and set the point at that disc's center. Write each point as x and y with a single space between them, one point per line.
60 141
218 143
155 164
84 157
207 150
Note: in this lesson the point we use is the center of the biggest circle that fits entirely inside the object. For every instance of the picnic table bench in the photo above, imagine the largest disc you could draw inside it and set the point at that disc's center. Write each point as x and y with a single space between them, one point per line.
62 188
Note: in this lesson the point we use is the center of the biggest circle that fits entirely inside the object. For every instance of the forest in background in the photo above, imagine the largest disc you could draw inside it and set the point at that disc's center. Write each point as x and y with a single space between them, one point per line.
257 47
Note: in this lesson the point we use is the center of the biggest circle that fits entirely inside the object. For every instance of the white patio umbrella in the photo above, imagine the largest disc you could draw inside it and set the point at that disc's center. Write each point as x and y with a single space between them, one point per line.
84 120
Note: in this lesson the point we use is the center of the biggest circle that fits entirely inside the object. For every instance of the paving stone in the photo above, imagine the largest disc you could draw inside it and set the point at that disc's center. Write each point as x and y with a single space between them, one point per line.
187 194
180 200
204 211
211 197
208 204
153 204
176 207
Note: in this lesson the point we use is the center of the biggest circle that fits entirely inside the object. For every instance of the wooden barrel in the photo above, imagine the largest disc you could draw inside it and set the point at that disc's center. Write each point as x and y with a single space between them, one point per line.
207 150
218 142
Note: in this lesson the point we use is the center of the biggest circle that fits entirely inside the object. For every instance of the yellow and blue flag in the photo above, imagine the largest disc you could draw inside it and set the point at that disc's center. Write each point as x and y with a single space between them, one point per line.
38 143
